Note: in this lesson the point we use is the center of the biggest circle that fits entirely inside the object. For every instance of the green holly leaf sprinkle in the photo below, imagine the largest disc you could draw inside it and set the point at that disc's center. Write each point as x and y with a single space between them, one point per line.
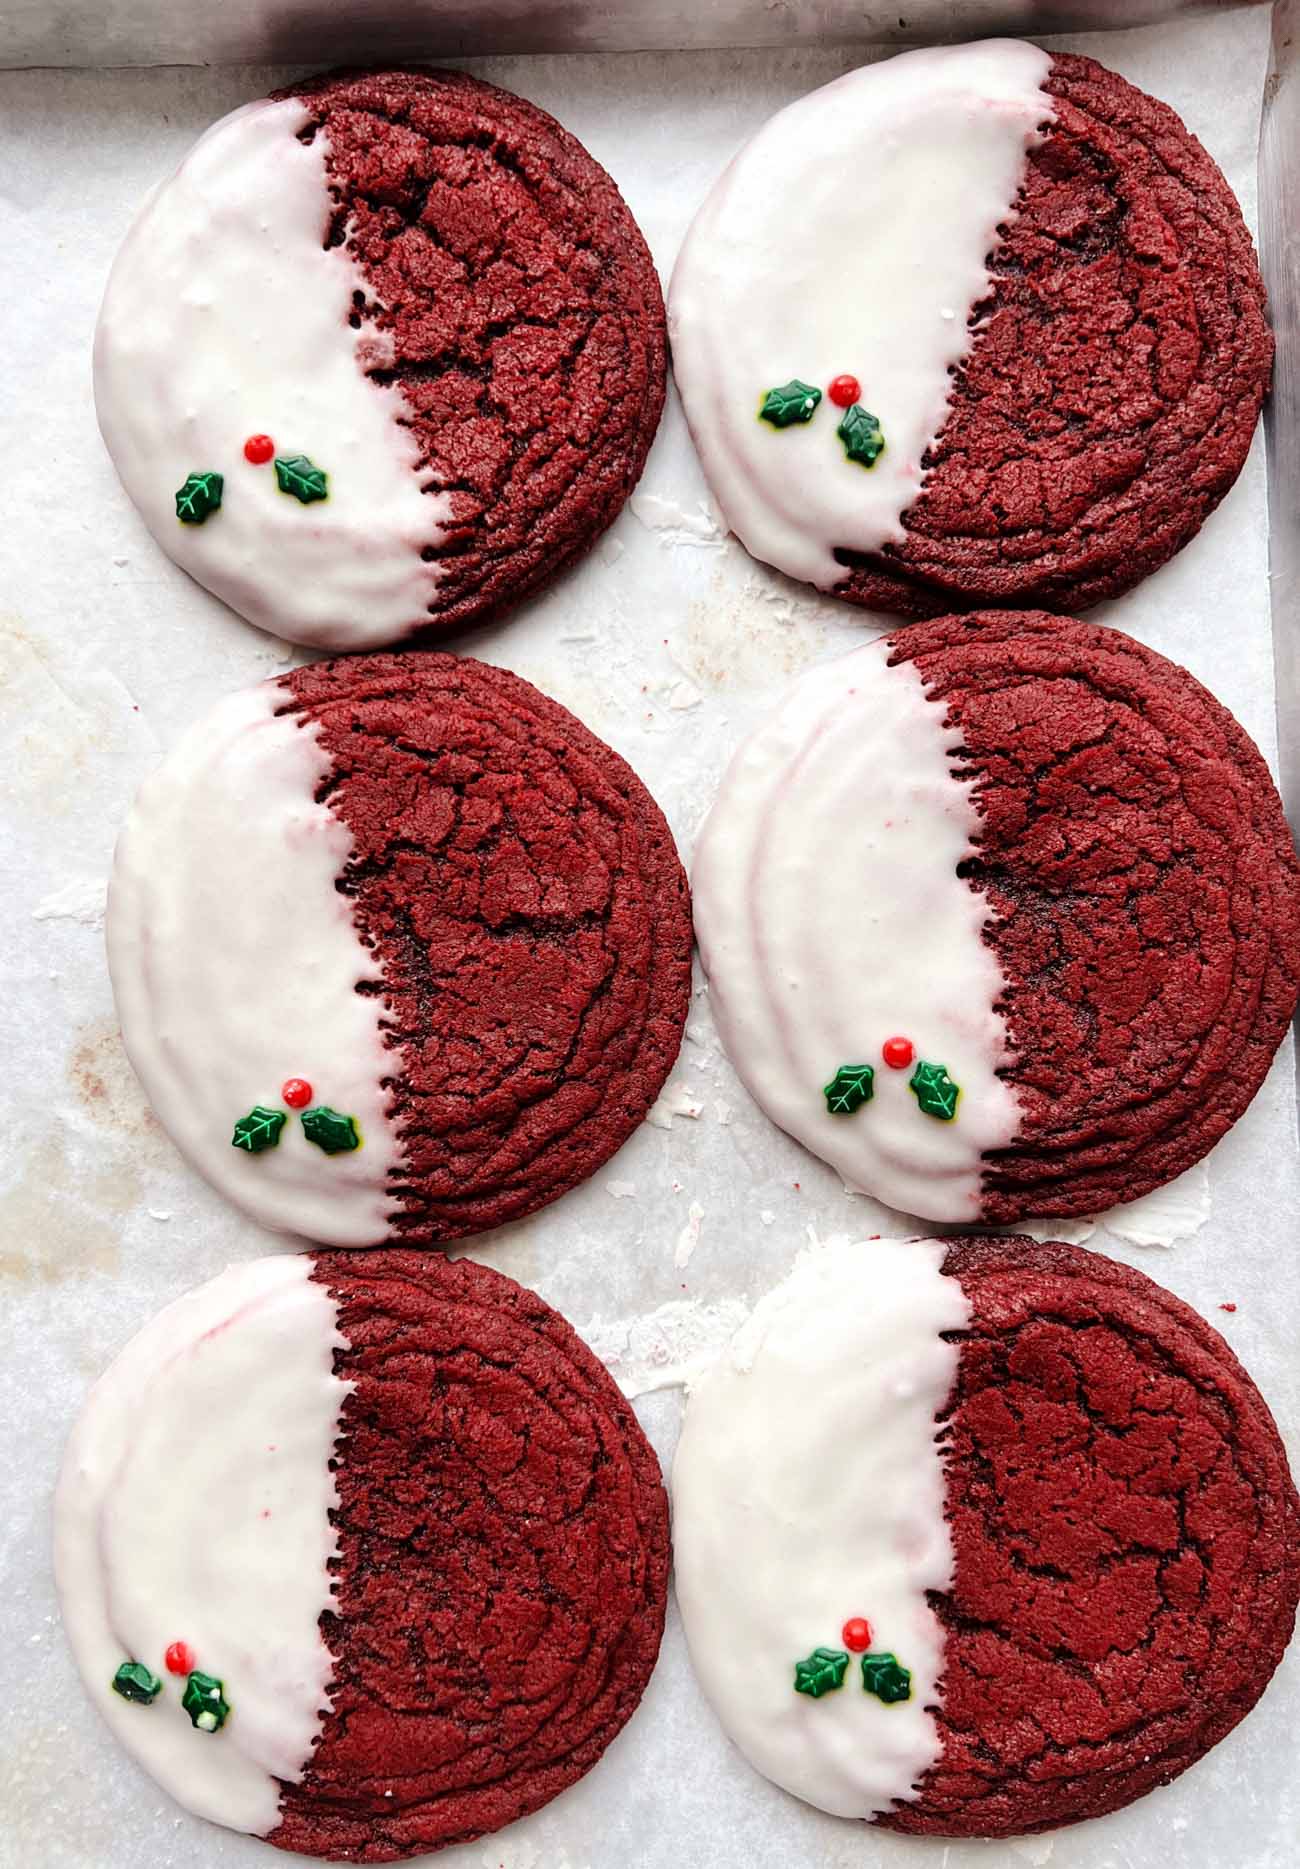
789 403
883 1677
860 432
133 1681
295 474
259 1130
849 1089
200 496
821 1673
934 1090
329 1131
203 1700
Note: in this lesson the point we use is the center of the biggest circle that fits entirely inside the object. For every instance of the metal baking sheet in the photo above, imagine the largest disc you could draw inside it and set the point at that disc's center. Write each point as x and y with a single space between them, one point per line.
196 32
670 642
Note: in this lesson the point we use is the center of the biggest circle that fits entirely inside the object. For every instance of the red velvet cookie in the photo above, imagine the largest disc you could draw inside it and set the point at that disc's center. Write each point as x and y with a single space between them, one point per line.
415 1582
1020 1538
400 949
383 356
1033 391
1126 1536
1001 917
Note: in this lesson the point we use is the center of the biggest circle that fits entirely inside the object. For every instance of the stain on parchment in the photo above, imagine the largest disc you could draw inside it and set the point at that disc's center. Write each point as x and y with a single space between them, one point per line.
748 637
61 1217
101 1075
49 1228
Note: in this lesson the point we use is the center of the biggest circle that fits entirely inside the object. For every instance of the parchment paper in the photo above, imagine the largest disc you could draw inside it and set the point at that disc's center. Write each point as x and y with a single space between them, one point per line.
669 643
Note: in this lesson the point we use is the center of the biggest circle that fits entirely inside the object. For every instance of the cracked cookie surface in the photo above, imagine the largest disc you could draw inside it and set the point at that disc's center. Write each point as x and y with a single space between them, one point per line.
1028 886
1126 1540
1143 895
520 310
383 356
502 1562
1037 1490
1116 376
1032 393
521 895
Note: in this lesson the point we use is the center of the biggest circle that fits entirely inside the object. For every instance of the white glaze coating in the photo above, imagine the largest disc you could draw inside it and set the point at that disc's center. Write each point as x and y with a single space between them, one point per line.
235 962
849 237
193 1505
807 1489
227 316
830 917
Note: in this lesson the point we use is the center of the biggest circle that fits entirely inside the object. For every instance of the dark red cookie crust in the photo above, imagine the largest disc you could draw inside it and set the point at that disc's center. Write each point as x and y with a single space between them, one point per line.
502 1569
1113 388
1126 1537
525 313
522 893
1144 896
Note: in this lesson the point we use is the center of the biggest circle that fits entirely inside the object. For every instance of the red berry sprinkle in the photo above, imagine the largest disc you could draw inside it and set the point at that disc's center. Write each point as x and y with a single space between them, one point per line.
856 1634
296 1092
258 449
1227 1307
179 1658
897 1053
844 390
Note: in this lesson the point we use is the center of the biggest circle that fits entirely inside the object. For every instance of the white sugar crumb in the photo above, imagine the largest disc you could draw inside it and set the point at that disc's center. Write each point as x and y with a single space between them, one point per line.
82 900
767 1216
683 695
668 1348
689 1237
723 1112
611 550
1160 1218
1166 1215
160 1213
621 1190
675 524
697 1035
676 1100
1033 1850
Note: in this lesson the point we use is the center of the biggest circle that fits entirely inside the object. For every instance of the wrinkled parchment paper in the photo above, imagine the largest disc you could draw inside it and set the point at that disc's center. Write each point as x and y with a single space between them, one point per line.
669 642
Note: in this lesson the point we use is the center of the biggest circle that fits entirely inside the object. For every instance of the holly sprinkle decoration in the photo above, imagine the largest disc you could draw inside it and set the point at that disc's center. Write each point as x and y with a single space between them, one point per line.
856 1634
203 1701
822 1672
258 449
860 432
296 1092
295 474
883 1677
330 1131
180 1658
200 496
897 1053
849 1089
844 390
133 1681
789 403
259 1130
934 1090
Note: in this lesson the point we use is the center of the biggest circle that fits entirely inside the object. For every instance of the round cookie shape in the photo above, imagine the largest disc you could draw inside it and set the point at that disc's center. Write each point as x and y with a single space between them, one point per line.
1001 917
1047 1485
398 947
1044 292
425 1572
384 355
